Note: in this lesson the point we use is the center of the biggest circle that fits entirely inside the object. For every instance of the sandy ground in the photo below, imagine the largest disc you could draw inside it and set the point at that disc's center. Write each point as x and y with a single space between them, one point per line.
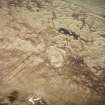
54 50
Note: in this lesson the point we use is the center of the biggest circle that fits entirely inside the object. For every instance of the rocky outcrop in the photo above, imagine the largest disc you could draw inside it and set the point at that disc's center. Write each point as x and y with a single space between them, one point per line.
62 68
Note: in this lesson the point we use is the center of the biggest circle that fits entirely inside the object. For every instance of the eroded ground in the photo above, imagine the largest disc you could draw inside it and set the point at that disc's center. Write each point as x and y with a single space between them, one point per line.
52 49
